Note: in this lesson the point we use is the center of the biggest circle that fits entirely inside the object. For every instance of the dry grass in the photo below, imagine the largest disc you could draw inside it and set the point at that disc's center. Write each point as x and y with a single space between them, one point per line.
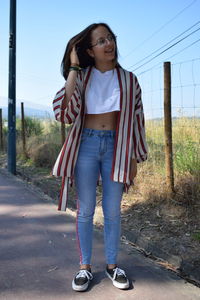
150 184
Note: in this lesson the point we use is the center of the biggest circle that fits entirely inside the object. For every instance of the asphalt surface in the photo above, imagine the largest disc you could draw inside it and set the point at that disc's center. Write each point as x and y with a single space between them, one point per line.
39 255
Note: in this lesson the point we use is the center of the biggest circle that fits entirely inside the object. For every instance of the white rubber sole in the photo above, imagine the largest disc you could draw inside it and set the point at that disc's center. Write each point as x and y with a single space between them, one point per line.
121 286
79 288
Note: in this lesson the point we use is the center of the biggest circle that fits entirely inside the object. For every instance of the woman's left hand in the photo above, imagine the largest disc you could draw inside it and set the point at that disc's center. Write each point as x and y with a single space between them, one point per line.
133 170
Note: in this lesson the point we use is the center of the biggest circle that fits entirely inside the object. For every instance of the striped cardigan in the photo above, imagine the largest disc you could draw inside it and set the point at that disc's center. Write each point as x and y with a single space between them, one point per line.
130 131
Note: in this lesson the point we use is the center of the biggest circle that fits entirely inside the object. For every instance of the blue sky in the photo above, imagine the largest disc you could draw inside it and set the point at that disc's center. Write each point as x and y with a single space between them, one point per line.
142 26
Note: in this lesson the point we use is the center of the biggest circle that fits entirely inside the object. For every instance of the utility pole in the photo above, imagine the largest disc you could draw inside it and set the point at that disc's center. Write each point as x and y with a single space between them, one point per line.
12 91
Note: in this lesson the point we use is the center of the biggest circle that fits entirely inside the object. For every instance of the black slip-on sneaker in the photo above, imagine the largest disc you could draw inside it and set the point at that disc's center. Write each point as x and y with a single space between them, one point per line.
118 278
82 280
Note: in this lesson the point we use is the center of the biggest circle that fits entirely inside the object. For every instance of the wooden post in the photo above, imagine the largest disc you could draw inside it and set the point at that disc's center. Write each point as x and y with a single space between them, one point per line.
1 131
168 126
23 130
62 133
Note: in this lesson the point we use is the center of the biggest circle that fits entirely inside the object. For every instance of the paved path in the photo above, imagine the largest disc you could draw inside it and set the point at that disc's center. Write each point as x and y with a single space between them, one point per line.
38 256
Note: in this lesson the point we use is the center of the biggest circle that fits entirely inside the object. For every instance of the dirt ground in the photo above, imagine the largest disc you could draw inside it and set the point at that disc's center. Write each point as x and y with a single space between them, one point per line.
166 230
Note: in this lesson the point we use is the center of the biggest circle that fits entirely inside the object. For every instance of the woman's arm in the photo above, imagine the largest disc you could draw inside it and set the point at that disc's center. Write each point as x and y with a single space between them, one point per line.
67 102
70 85
71 79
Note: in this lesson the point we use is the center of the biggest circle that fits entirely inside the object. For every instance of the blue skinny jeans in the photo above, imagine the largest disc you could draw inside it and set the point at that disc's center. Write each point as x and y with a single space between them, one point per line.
95 157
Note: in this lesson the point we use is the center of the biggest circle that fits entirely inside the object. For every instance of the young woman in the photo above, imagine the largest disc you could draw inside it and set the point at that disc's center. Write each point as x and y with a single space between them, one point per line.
103 103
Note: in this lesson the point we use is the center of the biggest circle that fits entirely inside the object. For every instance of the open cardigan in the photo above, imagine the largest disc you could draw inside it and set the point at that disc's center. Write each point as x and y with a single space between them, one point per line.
130 139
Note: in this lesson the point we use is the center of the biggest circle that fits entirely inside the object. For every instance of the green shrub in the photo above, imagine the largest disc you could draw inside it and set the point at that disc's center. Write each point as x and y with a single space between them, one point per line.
196 236
187 157
33 127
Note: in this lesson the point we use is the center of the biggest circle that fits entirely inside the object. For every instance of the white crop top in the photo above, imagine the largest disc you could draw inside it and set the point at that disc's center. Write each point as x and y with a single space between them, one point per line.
102 93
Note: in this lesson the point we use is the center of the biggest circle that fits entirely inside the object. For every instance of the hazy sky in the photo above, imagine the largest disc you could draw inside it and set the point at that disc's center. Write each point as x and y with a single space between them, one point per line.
141 26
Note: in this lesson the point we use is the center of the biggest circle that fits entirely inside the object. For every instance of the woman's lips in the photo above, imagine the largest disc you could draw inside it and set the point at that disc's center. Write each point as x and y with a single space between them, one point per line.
109 51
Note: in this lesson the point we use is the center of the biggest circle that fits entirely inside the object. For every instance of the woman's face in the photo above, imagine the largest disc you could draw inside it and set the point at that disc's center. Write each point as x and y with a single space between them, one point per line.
103 45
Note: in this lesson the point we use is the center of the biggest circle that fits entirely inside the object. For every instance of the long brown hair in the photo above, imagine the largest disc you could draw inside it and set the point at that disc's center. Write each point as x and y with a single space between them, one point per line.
82 42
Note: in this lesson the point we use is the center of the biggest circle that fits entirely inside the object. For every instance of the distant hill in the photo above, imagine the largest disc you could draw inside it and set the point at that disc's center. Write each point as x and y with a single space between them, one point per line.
30 109
30 112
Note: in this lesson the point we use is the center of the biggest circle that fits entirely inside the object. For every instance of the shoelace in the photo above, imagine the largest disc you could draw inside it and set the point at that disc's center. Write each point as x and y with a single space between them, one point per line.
84 273
118 271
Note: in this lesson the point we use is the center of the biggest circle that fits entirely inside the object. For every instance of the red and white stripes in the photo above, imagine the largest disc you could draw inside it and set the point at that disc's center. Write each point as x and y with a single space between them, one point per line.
130 132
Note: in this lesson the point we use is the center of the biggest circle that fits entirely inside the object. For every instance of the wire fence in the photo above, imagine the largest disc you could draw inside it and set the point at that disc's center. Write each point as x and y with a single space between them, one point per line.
185 108
185 90
185 113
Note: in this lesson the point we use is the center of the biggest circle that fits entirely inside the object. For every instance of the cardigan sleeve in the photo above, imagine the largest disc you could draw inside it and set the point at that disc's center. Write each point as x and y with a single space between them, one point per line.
71 111
139 136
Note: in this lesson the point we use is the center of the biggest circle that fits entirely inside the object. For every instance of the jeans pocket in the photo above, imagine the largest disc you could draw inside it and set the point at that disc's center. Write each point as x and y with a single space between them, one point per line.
111 140
83 137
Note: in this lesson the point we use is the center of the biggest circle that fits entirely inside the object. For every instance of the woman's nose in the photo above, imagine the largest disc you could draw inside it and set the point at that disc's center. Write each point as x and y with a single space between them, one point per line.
107 41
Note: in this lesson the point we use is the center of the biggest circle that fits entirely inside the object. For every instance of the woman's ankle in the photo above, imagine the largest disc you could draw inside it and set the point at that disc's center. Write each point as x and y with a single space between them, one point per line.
111 266
85 267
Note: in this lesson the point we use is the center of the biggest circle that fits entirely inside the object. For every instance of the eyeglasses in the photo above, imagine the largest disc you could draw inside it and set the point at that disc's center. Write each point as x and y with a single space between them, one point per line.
102 41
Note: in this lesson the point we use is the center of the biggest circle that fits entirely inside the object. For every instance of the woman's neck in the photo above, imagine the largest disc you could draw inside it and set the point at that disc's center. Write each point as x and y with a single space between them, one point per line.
105 67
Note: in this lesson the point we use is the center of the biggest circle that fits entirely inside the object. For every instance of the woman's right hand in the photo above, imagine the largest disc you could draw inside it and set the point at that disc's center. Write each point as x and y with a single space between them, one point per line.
72 76
74 57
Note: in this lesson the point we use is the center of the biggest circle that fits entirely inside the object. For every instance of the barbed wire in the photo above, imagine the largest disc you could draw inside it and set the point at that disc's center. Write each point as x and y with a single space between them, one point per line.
185 89
161 63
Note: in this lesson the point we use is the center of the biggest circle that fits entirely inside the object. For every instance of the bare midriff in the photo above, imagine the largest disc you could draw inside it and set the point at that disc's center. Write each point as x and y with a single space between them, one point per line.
106 121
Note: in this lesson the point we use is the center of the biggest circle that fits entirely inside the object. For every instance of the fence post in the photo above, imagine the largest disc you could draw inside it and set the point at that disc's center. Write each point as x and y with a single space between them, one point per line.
23 130
1 131
168 126
62 133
